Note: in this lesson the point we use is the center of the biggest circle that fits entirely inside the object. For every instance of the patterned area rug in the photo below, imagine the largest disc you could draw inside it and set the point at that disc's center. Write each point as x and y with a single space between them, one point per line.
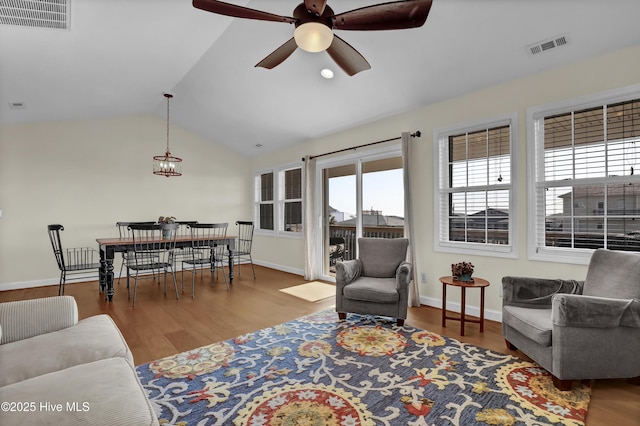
363 371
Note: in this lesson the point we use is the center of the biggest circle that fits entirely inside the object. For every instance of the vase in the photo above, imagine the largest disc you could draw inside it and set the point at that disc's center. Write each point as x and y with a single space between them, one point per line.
465 277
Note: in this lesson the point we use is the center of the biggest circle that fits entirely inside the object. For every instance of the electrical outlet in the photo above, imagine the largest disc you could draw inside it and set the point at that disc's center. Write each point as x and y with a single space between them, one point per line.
423 278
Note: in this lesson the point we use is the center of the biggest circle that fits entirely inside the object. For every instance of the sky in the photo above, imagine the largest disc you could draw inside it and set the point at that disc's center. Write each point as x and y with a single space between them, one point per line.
382 191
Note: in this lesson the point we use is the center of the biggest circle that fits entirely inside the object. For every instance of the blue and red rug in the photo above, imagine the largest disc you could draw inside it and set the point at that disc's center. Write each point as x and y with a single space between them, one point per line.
363 371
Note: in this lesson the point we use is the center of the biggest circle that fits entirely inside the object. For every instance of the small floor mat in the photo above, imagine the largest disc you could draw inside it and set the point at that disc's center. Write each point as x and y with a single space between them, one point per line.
312 291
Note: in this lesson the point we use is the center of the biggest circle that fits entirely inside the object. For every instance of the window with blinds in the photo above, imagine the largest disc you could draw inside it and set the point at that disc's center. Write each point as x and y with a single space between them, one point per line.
586 189
265 201
474 195
278 201
291 199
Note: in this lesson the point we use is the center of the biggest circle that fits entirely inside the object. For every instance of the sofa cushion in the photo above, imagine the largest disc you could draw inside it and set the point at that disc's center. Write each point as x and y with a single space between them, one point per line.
380 290
93 338
613 274
105 392
534 323
381 256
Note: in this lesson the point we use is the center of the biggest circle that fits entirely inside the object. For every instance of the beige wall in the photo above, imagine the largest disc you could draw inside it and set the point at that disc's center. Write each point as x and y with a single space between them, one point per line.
87 175
615 70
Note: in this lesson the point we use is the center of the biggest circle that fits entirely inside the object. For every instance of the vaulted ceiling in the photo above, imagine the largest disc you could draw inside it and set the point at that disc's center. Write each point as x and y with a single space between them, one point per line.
119 56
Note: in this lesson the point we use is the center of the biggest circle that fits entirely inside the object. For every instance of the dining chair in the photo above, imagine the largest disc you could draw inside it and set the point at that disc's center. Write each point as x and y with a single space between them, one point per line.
74 261
205 252
123 232
244 243
153 247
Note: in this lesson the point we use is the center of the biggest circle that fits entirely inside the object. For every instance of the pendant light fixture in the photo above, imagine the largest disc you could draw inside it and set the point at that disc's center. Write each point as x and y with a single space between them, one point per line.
167 165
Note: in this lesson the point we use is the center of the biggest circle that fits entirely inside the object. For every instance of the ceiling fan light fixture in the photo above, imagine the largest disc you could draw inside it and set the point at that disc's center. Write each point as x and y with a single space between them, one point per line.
313 36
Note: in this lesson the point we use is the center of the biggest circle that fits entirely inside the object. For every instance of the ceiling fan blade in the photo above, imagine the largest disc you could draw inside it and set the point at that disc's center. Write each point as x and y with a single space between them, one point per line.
236 11
396 15
315 6
278 56
347 58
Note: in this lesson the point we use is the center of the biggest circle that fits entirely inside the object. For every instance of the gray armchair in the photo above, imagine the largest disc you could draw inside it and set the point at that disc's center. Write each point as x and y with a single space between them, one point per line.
378 282
579 329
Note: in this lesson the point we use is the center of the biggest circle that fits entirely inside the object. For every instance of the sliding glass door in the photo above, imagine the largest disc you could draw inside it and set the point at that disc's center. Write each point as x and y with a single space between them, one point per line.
361 196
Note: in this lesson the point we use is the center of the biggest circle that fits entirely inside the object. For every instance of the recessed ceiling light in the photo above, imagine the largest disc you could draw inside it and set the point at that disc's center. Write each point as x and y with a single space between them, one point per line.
326 73
17 105
258 145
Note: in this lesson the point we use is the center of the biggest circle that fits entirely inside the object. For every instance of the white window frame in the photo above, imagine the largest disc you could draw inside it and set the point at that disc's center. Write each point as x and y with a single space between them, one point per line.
441 189
535 167
278 200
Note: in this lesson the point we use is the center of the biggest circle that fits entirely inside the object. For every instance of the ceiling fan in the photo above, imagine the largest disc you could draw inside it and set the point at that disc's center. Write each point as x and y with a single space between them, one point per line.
315 21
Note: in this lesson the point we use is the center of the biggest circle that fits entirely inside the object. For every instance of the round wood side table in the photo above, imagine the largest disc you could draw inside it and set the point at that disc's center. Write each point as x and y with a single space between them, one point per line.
464 285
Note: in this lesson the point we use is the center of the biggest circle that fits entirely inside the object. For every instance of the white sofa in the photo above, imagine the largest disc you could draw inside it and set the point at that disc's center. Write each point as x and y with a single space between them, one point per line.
55 369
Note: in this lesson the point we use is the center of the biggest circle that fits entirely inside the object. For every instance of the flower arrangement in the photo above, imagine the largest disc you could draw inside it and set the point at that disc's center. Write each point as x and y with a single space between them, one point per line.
166 219
461 268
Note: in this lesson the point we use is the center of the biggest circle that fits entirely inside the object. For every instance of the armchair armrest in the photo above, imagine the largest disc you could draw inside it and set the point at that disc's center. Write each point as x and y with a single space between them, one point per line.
28 318
403 275
573 310
536 292
348 271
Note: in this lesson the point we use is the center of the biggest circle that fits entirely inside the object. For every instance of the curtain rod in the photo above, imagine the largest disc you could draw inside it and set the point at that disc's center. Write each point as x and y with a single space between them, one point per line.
417 134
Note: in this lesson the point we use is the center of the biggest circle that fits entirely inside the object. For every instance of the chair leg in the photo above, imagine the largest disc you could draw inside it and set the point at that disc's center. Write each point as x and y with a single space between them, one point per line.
175 282
252 268
63 278
510 345
135 288
562 385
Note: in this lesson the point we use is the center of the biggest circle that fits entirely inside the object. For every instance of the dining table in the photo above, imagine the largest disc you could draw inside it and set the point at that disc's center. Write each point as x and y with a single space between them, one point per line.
108 247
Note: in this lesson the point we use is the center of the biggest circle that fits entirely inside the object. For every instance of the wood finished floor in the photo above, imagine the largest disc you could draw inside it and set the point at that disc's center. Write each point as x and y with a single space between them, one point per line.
160 325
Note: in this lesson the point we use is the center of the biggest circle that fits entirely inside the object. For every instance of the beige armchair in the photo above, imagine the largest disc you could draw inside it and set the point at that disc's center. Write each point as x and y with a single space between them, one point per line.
579 329
377 283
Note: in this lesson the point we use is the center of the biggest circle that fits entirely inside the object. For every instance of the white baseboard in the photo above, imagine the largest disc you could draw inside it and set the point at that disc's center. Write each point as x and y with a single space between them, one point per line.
455 307
288 269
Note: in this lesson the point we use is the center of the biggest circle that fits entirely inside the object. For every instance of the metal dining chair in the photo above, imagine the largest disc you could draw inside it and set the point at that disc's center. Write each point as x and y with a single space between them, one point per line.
205 252
153 247
123 232
74 261
244 243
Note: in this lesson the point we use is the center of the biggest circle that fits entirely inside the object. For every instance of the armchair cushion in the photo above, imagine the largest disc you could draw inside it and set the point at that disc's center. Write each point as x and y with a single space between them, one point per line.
613 274
376 290
381 257
534 323
589 311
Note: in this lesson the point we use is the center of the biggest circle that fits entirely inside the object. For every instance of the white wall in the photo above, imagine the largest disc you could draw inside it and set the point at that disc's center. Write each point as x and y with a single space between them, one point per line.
89 174
614 70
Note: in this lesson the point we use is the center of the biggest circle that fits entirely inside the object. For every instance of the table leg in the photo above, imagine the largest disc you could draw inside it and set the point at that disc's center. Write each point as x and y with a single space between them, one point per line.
444 305
102 272
481 309
109 272
230 265
462 310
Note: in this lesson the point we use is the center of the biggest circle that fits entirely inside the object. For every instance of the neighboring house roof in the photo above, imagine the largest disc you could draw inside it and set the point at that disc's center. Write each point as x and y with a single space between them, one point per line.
375 220
598 190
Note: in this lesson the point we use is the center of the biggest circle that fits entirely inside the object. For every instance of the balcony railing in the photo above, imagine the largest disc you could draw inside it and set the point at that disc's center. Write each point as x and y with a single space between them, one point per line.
343 239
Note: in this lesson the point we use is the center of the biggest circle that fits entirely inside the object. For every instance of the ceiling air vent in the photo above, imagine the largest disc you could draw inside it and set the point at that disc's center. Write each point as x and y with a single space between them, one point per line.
36 13
545 45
